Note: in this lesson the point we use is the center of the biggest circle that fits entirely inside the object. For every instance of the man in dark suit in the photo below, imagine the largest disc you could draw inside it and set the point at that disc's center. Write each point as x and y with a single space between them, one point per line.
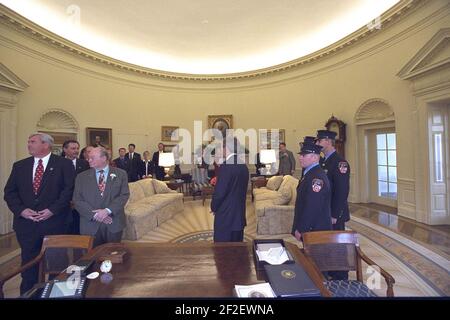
71 150
158 172
38 192
100 196
146 168
338 172
229 198
121 161
312 206
134 163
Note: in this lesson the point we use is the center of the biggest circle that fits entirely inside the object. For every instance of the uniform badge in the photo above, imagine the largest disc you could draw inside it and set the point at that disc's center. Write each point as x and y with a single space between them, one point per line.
317 185
343 167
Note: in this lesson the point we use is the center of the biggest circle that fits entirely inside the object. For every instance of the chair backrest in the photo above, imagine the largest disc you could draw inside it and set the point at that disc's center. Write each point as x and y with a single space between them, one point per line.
60 251
199 175
332 250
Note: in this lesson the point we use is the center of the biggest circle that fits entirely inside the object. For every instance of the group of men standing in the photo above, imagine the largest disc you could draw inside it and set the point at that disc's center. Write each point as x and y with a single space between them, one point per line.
138 168
48 194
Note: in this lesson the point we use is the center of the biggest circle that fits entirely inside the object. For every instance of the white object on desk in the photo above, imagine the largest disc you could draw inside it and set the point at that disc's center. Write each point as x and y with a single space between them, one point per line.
275 255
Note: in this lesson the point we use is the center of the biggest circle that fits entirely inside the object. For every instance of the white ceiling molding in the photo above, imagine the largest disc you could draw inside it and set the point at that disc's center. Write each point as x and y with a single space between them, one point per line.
373 111
434 55
57 120
19 23
10 81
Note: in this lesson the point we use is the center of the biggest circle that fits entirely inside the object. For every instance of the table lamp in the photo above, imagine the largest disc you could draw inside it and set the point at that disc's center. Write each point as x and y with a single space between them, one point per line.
267 157
166 160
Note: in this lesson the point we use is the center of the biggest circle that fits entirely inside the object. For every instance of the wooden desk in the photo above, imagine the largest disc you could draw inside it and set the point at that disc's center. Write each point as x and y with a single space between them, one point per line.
184 270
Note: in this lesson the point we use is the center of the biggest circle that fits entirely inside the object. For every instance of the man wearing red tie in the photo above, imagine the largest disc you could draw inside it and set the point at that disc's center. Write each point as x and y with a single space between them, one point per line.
38 193
100 196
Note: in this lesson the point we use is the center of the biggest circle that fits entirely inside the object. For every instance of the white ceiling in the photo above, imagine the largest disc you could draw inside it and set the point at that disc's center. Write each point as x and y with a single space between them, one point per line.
202 36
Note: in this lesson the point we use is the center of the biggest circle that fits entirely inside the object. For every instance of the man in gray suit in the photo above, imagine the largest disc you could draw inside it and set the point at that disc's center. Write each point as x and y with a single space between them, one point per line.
100 196
287 161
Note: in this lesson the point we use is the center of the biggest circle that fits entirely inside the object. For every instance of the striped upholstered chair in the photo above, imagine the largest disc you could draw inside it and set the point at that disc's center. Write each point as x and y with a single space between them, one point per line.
200 180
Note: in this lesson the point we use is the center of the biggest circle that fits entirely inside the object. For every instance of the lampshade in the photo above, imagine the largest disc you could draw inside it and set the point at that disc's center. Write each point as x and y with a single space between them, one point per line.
166 159
267 156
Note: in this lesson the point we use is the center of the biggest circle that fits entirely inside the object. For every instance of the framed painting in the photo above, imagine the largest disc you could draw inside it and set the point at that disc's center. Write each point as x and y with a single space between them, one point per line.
99 137
220 122
167 132
59 139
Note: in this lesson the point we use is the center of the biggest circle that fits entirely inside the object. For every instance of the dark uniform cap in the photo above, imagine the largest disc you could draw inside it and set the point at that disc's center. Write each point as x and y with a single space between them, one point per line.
309 139
326 134
310 148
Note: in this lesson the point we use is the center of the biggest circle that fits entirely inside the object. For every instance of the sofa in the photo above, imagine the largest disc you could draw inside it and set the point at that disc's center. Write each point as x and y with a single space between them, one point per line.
274 205
151 203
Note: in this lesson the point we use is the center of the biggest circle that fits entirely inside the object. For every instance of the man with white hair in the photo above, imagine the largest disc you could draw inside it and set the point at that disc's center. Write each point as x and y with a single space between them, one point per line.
38 193
100 196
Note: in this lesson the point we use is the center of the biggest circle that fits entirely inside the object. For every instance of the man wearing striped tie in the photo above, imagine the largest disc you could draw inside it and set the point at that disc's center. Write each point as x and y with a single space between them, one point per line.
38 193
100 196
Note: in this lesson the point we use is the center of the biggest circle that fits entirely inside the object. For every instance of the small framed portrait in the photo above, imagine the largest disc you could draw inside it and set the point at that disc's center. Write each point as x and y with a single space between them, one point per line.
59 139
169 133
220 122
99 137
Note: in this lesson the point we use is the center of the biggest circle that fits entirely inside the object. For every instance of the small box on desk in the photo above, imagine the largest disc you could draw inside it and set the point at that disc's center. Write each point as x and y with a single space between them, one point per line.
115 256
265 245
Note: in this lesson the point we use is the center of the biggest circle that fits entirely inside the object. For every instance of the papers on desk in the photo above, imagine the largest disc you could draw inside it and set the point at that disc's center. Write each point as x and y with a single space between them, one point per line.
260 290
272 253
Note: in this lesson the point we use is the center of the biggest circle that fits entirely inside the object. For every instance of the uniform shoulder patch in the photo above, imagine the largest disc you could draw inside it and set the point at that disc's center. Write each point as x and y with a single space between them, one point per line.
317 185
343 167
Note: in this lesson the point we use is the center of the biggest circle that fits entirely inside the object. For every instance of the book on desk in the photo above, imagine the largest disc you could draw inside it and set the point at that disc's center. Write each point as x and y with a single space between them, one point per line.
290 280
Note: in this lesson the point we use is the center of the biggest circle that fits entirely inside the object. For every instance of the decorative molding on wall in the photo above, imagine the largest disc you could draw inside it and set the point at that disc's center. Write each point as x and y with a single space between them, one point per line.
57 120
374 110
8 80
434 54
10 87
19 23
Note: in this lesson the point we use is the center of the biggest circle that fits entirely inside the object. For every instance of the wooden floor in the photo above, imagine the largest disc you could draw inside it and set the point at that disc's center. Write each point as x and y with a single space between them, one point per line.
437 237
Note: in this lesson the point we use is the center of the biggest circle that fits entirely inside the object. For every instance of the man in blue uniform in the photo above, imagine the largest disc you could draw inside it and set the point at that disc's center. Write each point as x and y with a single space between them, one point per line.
338 172
307 140
312 206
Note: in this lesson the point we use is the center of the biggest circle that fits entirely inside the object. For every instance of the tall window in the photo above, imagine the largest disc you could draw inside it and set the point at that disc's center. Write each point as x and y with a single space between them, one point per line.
387 165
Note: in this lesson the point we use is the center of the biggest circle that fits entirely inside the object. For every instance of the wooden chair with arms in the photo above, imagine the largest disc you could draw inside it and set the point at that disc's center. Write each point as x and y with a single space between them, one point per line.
57 253
340 251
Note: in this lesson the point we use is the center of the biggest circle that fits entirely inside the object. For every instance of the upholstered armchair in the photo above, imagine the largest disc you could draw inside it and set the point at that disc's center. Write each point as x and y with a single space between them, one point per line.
200 180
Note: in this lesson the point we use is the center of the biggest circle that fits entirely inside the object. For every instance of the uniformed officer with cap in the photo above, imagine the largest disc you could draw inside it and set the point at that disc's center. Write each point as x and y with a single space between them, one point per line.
338 173
307 140
312 206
